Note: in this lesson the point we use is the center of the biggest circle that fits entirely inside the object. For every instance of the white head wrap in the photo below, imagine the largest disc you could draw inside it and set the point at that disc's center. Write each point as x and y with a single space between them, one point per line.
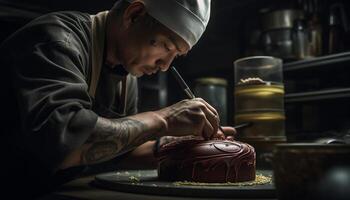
187 18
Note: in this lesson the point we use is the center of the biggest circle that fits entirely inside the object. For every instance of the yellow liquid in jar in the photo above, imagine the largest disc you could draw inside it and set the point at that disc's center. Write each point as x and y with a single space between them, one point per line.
263 105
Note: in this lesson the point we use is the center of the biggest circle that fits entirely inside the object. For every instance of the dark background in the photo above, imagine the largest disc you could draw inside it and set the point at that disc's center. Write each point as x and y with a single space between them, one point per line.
309 115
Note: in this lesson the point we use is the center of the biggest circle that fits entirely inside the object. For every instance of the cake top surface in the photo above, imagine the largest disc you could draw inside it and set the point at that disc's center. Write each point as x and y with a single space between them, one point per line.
198 147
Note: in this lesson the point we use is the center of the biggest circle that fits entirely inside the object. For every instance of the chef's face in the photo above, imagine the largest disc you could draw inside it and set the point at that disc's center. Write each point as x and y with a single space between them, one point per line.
147 54
147 46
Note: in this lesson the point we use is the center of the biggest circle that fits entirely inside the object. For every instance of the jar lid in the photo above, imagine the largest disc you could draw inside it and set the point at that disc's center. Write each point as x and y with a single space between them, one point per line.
211 81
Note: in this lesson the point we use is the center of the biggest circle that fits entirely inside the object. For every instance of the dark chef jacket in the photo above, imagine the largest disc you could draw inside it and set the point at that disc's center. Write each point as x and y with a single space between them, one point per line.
46 109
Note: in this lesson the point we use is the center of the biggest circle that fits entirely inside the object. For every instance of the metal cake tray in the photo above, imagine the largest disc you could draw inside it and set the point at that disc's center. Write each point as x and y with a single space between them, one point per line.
147 182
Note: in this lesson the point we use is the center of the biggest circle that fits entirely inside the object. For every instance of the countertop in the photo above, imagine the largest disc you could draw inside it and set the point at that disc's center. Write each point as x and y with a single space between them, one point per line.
82 188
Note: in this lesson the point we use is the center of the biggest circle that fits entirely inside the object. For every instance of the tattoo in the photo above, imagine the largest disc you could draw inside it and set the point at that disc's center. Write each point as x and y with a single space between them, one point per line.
112 137
98 151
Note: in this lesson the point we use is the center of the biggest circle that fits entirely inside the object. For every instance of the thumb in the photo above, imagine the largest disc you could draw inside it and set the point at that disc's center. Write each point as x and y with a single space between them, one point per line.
229 131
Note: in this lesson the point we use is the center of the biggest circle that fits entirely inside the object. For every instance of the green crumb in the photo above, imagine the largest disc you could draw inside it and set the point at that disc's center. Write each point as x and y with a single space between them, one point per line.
134 179
259 180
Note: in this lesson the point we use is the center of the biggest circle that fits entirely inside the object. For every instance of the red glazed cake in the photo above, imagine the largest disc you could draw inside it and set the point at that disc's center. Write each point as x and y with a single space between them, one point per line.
211 161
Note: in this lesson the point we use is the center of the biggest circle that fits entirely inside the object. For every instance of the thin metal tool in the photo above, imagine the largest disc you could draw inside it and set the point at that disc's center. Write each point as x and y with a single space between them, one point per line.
185 87
242 125
182 82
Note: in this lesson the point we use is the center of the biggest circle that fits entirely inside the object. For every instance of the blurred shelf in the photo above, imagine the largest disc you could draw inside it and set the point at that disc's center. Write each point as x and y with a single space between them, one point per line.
317 61
317 95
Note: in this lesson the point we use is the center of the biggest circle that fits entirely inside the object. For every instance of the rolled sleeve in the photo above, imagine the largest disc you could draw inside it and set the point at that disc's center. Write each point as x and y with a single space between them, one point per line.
53 99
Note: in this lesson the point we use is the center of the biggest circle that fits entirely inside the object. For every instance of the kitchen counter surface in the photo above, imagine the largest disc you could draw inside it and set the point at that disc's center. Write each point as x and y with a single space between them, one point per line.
82 188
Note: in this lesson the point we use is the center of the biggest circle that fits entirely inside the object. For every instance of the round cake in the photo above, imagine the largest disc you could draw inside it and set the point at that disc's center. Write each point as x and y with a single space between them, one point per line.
209 161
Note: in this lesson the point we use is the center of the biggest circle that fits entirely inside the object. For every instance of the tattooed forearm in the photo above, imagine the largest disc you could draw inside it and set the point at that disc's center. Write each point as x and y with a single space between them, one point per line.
112 137
111 129
99 151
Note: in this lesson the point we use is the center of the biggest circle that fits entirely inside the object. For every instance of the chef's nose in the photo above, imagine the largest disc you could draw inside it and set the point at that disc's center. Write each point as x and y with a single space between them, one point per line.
164 64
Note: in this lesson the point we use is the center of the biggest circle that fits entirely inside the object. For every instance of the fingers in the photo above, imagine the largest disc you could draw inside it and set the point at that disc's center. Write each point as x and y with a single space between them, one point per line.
229 131
204 132
219 135
208 130
211 108
211 123
210 117
215 120
193 116
230 138
204 127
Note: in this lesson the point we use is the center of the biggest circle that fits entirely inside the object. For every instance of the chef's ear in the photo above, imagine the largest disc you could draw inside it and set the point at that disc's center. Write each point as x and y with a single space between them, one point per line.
134 12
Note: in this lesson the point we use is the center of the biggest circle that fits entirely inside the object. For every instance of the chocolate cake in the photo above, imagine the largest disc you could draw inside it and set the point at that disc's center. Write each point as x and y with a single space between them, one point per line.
211 161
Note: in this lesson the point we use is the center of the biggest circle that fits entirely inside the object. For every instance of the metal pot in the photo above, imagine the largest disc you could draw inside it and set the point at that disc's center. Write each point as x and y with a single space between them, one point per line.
278 43
278 31
311 170
281 19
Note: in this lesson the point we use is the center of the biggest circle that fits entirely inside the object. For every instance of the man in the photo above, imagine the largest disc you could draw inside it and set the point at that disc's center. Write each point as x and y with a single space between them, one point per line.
71 93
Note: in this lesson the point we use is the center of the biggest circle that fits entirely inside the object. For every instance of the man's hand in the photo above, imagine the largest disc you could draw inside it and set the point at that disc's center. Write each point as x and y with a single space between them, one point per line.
115 136
190 117
230 133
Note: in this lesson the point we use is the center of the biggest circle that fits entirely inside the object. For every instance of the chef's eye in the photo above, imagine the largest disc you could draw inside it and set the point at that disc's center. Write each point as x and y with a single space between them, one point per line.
153 42
166 47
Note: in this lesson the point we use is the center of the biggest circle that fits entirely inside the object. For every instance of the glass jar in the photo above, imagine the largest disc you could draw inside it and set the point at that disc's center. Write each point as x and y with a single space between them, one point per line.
259 99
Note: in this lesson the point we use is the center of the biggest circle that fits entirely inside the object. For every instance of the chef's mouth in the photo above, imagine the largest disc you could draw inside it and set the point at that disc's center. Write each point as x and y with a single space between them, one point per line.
150 71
